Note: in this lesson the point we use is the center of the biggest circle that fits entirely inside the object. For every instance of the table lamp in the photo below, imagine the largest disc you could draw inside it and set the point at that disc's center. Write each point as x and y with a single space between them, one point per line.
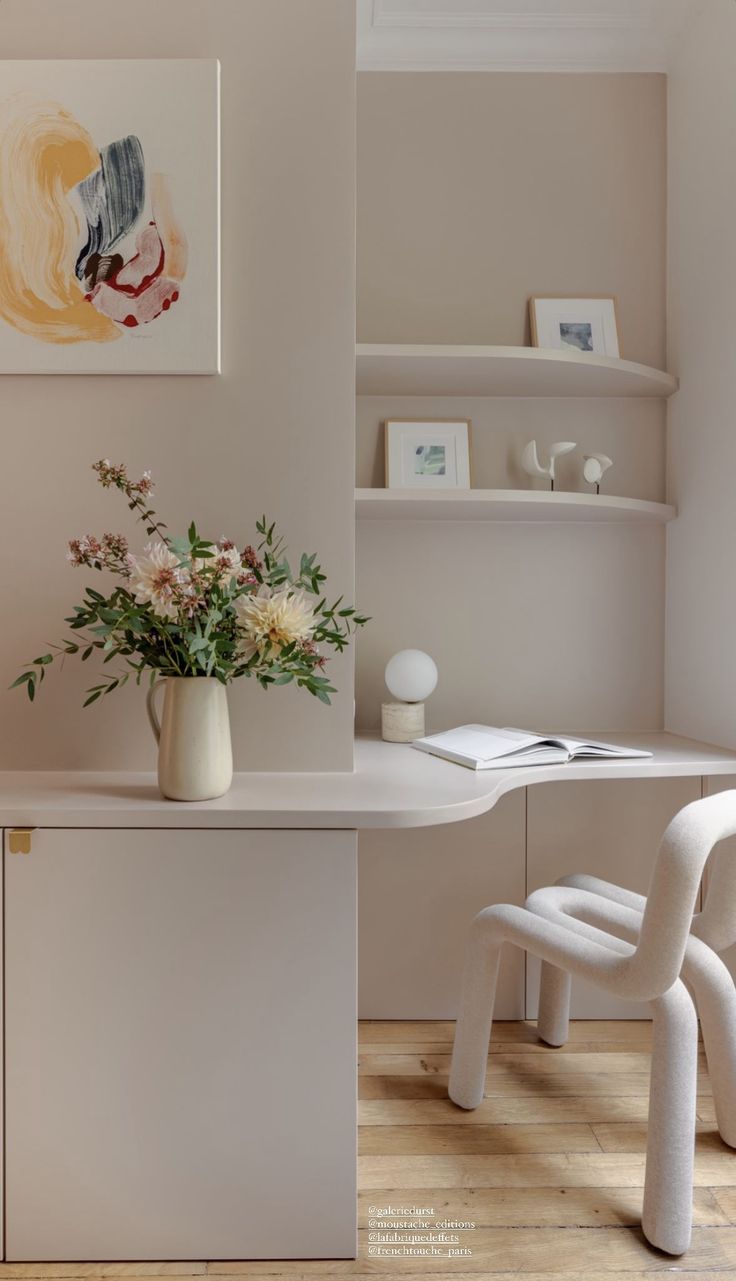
411 676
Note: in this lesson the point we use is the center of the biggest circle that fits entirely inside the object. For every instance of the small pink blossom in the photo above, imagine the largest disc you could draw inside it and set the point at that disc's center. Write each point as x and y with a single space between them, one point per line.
250 558
110 552
116 474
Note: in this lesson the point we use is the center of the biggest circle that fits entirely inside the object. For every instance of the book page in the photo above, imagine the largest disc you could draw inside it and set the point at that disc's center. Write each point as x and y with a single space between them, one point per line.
482 742
578 747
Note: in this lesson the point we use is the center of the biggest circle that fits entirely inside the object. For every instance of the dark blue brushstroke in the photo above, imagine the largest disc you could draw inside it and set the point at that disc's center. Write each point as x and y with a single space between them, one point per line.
112 197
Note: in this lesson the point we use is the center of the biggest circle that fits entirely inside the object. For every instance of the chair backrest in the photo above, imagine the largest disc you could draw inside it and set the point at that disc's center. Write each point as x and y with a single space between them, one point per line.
716 923
668 916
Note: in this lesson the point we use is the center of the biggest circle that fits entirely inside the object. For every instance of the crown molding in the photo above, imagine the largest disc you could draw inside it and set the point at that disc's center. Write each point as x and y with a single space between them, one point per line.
448 19
603 36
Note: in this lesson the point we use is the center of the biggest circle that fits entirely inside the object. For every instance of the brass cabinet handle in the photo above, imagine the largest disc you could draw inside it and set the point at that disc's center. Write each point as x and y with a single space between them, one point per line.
19 840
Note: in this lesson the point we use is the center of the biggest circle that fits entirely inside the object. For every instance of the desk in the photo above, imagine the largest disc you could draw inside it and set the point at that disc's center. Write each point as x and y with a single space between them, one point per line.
392 786
180 999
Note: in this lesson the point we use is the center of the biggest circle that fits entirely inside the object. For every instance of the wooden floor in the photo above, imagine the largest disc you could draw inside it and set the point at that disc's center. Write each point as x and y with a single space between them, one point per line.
549 1169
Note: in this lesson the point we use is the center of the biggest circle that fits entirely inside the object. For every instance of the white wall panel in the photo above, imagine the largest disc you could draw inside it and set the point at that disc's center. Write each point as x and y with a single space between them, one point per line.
419 891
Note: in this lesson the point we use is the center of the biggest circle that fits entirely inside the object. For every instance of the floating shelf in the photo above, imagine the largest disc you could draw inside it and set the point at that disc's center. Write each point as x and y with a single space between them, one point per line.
508 505
400 370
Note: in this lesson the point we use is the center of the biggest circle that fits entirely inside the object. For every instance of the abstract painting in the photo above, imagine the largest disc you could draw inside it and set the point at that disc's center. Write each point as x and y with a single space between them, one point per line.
109 217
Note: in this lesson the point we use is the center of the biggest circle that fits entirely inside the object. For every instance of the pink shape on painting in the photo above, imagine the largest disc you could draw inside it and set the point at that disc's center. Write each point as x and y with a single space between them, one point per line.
139 291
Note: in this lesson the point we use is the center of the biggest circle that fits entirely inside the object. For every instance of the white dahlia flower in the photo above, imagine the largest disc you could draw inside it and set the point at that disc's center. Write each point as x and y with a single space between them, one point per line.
275 618
156 579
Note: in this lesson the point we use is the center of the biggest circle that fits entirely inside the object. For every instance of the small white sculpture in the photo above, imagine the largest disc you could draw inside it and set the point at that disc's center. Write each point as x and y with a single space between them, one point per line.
411 676
532 466
595 467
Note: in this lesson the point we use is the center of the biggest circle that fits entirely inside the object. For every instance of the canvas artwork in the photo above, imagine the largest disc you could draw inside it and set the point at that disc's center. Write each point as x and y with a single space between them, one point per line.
109 217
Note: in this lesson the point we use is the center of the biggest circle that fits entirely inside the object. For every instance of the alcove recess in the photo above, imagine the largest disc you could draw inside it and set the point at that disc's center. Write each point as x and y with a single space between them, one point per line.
611 406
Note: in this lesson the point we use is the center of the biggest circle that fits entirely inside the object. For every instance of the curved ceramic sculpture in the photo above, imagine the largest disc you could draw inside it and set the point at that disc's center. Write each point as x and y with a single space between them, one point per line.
532 466
595 467
561 926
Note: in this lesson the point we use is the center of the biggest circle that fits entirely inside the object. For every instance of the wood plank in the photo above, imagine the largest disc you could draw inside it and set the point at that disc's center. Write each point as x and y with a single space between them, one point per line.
578 1169
506 1111
706 1109
540 1207
545 1251
634 1033
515 1085
502 1047
625 1137
387 1140
725 1199
553 1062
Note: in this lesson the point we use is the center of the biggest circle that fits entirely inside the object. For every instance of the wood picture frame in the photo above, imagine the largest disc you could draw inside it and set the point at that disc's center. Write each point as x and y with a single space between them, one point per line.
586 323
452 469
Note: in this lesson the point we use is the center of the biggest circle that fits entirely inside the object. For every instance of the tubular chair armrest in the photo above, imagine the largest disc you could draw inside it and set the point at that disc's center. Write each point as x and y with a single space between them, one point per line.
606 889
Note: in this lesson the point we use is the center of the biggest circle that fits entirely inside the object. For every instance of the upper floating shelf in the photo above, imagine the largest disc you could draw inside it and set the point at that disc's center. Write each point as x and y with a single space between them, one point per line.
410 370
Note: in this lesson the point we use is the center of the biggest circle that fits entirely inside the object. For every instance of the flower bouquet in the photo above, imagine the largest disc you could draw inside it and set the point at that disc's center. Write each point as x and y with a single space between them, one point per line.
199 614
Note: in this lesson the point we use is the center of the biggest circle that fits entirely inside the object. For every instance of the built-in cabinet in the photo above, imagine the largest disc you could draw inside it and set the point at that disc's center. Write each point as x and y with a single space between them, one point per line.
180 1045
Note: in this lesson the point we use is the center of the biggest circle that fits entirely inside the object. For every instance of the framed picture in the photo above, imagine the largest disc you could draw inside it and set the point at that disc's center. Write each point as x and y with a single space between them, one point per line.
575 324
110 227
427 453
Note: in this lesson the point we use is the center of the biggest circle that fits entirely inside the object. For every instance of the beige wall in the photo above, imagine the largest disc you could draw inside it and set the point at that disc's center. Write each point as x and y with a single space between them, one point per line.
701 610
476 191
273 433
543 626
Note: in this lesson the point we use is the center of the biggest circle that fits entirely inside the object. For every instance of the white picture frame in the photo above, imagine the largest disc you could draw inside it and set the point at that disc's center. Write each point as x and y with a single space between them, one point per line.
580 325
427 453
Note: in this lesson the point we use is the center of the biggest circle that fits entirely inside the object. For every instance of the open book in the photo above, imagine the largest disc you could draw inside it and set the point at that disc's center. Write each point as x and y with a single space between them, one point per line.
484 747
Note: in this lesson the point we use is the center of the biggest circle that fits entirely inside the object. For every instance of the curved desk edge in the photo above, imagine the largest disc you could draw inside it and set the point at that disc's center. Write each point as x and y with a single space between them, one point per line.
392 786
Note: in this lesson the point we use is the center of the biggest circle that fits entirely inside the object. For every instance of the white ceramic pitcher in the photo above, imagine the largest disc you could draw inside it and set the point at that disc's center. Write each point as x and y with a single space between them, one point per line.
195 758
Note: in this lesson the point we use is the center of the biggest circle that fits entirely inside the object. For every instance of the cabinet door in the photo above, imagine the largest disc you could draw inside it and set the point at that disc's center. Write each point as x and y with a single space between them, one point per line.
419 891
609 829
180 1031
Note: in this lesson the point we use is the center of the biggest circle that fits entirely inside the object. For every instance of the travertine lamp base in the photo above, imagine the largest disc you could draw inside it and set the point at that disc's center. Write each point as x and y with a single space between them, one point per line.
402 722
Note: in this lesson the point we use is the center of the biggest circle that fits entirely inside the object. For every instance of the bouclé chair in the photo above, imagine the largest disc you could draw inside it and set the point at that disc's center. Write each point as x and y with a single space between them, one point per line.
570 929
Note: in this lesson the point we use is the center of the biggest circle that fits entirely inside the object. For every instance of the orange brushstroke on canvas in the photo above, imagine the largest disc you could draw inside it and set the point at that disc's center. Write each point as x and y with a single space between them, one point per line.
44 153
169 228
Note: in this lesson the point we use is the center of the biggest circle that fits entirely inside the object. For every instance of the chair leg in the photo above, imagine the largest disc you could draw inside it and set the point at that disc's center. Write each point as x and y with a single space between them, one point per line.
475 1019
553 1021
668 1184
715 997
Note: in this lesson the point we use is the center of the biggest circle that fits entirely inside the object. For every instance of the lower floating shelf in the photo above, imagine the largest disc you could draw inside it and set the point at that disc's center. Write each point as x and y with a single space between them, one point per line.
507 504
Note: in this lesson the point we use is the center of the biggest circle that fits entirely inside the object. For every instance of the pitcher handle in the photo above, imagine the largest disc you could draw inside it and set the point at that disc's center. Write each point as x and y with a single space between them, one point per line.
151 708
